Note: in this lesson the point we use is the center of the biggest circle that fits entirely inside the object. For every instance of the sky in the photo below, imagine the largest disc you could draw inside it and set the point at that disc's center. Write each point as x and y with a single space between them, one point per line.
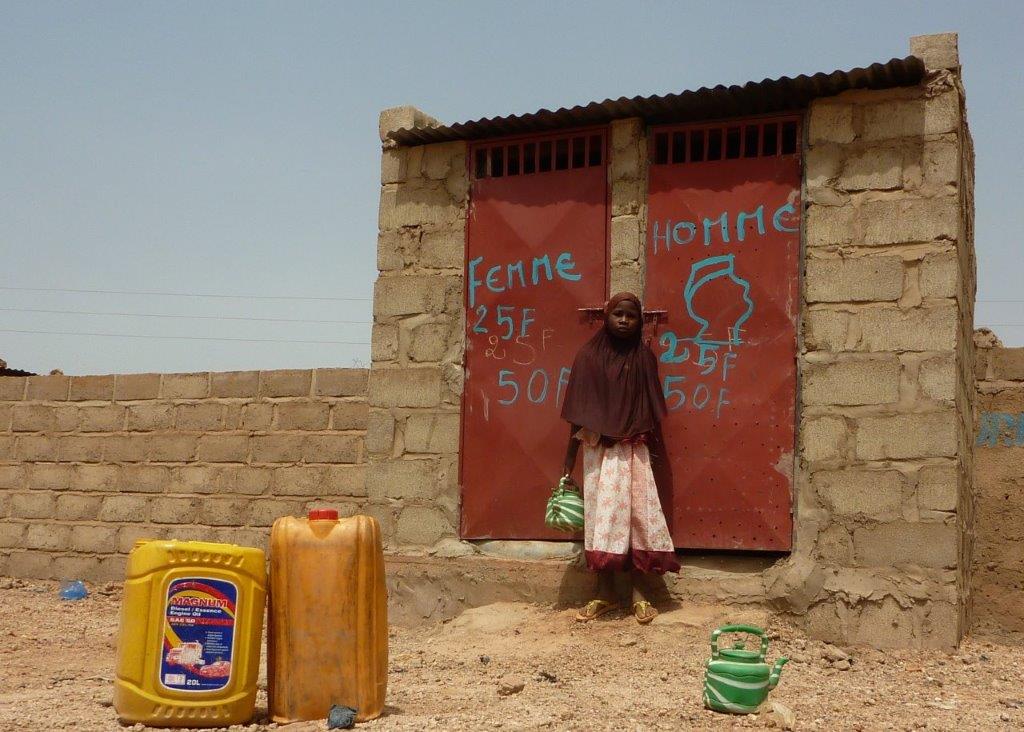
193 186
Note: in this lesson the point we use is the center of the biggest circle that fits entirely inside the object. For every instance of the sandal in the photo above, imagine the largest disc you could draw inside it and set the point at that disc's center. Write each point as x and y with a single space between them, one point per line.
644 611
595 609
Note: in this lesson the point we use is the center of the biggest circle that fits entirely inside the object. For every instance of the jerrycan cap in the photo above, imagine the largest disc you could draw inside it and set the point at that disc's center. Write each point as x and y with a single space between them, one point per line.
322 514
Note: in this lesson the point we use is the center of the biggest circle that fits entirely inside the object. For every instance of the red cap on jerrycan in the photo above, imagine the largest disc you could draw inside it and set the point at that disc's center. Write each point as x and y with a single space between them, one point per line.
322 514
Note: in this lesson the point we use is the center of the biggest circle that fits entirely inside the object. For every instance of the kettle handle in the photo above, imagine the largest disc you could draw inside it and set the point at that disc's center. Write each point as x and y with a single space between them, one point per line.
750 629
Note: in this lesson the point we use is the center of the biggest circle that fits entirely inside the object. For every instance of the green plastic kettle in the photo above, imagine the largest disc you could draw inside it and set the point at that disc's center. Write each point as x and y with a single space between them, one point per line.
738 680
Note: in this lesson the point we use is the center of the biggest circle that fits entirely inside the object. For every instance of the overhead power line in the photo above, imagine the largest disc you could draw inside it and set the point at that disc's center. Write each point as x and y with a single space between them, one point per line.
198 317
182 338
186 294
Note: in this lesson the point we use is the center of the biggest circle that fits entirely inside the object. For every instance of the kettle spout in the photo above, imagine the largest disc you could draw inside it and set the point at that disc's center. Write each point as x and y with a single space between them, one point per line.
773 679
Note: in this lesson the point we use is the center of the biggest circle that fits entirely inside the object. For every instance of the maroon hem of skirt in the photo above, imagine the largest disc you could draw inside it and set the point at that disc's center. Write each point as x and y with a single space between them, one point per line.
640 559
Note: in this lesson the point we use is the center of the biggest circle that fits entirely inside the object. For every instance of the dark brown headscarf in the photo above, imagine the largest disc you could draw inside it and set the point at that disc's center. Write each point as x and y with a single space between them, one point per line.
614 389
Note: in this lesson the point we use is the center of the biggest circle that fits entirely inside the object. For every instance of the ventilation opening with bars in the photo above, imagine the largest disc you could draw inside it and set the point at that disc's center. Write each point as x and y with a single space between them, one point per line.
526 157
700 144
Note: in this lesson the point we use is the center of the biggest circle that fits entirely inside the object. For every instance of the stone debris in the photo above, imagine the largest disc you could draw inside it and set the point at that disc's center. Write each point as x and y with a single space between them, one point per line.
782 716
510 685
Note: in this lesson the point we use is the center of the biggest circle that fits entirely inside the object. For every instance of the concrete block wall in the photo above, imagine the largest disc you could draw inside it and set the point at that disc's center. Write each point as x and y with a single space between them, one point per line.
998 566
884 507
415 385
89 464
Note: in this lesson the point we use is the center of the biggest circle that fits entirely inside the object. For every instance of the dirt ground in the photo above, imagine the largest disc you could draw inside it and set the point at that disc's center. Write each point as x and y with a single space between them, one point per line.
517 667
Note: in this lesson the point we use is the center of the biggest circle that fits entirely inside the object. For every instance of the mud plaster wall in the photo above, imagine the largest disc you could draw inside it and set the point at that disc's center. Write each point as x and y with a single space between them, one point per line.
998 577
90 464
882 484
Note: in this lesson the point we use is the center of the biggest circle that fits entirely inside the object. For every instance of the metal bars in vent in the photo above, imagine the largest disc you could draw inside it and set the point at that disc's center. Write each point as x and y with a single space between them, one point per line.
762 138
584 149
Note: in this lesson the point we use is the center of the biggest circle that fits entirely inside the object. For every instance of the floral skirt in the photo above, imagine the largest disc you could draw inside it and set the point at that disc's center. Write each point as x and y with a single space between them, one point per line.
624 526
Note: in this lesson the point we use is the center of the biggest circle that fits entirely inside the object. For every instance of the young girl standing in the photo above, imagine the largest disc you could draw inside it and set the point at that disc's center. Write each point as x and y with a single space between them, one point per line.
614 403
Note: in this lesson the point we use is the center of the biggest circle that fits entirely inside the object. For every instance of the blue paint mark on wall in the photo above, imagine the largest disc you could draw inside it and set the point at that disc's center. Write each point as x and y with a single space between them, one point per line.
996 426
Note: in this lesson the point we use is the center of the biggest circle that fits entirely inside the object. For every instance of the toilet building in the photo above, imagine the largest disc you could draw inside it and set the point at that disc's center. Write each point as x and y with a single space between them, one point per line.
804 251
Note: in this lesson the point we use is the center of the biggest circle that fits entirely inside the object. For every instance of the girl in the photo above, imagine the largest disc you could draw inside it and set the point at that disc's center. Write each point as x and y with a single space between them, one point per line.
614 403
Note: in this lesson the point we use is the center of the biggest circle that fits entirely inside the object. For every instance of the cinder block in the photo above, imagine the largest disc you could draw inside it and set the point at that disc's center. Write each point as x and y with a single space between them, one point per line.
223 448
12 388
265 512
380 432
939 275
826 330
48 536
403 479
37 448
106 418
257 417
130 387
911 117
393 164
303 415
428 203
30 565
1007 364
937 50
302 480
349 415
74 507
124 508
144 478
243 480
824 438
883 625
937 488
626 277
185 386
443 249
91 388
439 159
854 280
81 448
277 448
873 168
852 382
876 494
174 510
942 627
8 448
428 342
907 436
627 197
940 163
51 477
902 542
48 388
384 343
200 416
66 417
835 546
626 244
234 384
332 449
223 511
829 225
405 387
910 220
340 382
401 294
111 568
422 526
916 329
432 433
76 566
149 417
937 377
33 418
125 448
33 505
100 478
830 122
286 383
345 480
12 534
94 539
172 448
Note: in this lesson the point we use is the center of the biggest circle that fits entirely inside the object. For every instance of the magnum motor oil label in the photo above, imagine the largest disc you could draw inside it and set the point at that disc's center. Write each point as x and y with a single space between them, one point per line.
199 633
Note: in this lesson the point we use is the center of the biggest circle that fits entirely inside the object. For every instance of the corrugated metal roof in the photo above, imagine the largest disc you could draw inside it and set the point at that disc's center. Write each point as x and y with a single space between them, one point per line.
784 94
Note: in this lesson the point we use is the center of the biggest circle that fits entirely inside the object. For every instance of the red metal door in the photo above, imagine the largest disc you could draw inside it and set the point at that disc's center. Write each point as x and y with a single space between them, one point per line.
723 245
536 252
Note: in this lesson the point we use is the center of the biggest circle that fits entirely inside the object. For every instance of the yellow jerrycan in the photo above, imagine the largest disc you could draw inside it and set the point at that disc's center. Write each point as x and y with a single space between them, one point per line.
327 624
188 652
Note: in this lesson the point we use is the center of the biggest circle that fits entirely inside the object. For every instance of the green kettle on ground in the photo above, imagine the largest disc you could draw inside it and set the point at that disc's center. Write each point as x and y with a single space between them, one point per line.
738 680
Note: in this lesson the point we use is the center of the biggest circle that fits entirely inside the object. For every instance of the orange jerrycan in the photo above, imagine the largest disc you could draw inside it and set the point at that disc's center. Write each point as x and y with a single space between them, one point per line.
188 651
327 628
